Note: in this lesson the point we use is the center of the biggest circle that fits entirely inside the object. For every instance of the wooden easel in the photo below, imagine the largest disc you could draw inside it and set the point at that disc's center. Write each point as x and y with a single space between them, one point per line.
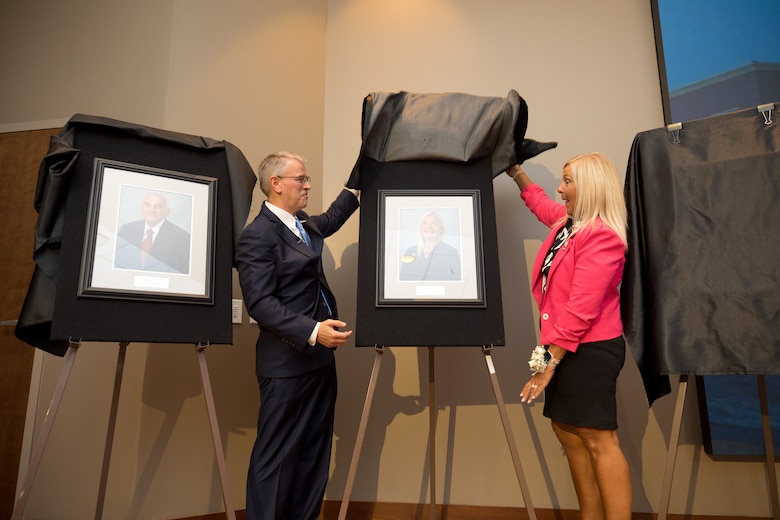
48 423
486 350
666 486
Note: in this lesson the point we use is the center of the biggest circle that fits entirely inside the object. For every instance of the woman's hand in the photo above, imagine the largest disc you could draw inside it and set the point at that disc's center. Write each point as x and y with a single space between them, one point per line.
536 385
519 176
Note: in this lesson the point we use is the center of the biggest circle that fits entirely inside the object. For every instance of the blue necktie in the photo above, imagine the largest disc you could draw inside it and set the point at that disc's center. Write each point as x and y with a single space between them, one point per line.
305 237
304 234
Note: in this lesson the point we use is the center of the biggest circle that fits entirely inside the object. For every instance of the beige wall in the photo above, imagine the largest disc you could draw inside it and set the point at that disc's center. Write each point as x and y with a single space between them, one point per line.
60 58
292 74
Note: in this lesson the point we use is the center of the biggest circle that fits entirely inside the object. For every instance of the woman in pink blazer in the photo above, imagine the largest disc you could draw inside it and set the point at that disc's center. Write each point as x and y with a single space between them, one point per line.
576 277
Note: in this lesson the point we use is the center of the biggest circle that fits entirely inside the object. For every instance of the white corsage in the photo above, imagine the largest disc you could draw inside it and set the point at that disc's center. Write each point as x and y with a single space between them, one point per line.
537 361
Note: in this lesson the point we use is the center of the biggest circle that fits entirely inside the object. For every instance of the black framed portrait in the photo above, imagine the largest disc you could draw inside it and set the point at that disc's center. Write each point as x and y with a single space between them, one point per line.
430 248
149 235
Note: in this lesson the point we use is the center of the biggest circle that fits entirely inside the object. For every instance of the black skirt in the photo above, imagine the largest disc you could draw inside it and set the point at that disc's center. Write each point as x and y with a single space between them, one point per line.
582 390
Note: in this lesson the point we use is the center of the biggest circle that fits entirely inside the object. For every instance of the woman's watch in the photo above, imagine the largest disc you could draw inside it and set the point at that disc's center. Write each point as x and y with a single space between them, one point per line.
551 360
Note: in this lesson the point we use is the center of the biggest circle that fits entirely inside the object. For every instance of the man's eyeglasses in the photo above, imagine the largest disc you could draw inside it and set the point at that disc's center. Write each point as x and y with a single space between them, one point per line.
303 179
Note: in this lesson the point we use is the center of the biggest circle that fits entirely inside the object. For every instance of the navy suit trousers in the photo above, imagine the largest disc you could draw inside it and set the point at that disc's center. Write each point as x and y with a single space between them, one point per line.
289 466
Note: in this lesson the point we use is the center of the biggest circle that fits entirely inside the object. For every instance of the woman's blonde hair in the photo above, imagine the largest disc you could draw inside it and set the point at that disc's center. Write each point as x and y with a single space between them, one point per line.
599 193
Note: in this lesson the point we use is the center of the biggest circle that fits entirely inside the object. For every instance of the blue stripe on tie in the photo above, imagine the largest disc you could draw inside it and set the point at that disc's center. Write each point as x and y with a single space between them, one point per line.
305 237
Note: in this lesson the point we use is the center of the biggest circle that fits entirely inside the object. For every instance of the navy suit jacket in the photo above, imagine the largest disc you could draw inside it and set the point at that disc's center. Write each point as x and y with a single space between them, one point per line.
170 250
281 279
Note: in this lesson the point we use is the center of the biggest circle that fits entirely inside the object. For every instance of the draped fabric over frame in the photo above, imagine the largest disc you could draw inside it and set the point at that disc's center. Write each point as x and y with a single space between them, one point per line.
66 163
427 143
405 126
700 291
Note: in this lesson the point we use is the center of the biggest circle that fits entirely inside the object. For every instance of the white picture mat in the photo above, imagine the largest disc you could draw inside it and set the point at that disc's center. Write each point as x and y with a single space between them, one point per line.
402 215
120 198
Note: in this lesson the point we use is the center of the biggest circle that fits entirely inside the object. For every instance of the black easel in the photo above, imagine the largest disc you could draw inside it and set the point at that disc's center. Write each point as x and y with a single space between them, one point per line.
37 455
486 350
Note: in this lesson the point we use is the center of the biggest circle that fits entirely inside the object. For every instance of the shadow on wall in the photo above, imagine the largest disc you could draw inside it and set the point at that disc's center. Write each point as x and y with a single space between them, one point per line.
354 367
171 377
515 225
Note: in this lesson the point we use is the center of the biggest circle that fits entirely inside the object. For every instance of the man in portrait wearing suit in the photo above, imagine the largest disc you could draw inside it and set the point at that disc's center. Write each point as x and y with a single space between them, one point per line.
153 243
279 261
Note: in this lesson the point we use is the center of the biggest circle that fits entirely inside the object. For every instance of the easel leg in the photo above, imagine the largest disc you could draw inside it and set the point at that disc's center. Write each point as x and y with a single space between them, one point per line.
432 428
674 440
361 433
120 368
215 435
770 452
510 438
37 455
43 437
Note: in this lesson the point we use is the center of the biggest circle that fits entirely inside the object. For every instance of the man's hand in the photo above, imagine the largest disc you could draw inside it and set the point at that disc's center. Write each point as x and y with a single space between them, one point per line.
330 336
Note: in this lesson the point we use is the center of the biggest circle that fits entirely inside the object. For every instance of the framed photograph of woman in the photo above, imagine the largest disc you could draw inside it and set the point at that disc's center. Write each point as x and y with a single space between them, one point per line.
149 234
430 248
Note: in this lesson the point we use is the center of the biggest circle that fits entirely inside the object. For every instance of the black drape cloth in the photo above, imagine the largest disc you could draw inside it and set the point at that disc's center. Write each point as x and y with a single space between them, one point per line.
58 170
432 142
457 127
700 291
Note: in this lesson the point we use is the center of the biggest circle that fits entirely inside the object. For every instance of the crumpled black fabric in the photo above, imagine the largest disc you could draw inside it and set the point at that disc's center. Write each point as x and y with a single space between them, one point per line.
35 319
34 324
700 292
405 126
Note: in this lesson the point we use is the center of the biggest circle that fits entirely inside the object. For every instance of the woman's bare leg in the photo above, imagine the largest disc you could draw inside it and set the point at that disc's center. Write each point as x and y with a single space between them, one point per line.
582 472
606 469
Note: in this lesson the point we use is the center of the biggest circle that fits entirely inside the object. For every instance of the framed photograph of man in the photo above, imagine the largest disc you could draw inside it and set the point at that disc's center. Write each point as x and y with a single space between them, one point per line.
430 248
149 235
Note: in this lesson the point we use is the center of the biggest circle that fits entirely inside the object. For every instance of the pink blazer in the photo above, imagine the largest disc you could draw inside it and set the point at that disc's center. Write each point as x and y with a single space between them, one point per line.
582 301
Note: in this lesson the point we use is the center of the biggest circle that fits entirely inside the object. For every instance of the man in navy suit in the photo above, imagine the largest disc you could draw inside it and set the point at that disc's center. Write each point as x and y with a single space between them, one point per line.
153 243
279 260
